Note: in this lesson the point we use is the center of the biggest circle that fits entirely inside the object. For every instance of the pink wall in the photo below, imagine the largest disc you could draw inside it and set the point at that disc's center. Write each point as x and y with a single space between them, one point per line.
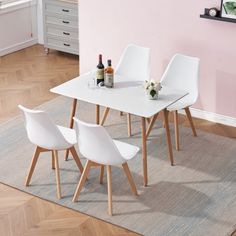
167 27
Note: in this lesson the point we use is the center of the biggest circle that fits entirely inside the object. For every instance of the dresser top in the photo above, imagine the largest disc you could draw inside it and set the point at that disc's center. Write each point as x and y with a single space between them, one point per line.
70 1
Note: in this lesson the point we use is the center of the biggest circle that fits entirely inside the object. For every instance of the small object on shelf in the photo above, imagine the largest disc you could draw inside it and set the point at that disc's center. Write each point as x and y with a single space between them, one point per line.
100 71
109 75
213 12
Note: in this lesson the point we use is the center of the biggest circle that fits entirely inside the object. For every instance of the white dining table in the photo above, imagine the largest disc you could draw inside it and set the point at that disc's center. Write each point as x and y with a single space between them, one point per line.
126 96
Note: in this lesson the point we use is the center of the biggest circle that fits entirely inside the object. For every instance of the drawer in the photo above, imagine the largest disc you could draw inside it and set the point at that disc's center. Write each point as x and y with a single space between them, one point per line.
63 44
66 33
61 21
65 9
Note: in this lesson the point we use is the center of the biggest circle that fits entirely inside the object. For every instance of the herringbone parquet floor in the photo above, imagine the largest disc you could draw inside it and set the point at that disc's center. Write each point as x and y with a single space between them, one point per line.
25 78
22 214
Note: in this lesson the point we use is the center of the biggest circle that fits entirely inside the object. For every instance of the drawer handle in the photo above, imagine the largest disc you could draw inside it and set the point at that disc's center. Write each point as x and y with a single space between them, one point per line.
65 22
65 10
66 33
68 45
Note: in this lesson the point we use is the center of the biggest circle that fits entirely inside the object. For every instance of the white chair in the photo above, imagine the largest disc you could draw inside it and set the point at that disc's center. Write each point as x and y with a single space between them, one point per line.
134 65
48 137
101 150
182 73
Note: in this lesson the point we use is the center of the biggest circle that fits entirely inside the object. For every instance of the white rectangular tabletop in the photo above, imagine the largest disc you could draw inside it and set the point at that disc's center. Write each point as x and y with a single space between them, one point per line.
126 96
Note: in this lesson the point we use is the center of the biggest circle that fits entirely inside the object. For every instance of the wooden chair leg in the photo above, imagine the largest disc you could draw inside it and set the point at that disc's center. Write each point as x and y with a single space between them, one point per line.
97 114
130 178
66 155
82 180
109 190
151 123
188 113
176 123
105 115
129 124
32 165
71 123
101 174
53 161
77 159
57 174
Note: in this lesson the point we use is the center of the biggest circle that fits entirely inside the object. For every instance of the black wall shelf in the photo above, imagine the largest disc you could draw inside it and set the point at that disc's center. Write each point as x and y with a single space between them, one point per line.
218 18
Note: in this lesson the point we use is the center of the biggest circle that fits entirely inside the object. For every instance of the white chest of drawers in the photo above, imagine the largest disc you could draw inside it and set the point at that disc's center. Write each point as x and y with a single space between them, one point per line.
60 20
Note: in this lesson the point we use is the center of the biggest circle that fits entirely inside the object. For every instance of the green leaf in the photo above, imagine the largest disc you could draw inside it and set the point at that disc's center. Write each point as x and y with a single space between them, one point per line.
153 93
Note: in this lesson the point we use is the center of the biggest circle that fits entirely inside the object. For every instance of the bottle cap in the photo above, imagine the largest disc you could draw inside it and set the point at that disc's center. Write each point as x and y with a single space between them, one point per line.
109 62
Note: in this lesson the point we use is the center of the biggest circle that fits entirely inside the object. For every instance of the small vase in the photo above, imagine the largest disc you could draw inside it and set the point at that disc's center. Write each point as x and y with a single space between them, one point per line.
150 97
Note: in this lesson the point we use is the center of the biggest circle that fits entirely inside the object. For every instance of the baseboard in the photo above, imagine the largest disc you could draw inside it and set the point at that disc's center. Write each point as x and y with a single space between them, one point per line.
213 117
18 46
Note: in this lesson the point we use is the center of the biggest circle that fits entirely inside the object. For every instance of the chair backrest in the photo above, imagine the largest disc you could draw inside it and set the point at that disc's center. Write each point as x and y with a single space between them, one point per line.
42 131
134 63
96 144
182 73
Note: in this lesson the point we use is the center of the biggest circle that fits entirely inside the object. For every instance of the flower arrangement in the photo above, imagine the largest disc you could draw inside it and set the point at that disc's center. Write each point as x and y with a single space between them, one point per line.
152 88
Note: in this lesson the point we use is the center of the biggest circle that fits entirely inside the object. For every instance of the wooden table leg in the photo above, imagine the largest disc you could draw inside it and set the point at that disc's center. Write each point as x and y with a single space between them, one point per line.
71 123
144 151
97 114
168 139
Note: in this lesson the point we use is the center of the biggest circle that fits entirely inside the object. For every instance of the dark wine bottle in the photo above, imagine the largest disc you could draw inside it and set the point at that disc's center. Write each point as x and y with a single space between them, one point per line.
100 71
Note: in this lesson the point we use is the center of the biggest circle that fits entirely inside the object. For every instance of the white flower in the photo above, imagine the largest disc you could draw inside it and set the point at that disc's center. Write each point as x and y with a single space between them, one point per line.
152 85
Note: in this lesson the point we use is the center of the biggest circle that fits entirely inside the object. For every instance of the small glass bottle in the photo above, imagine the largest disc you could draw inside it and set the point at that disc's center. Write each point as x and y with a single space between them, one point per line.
109 75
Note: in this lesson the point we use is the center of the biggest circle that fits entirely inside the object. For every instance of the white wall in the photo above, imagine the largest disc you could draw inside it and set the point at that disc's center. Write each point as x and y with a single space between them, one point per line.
178 28
18 27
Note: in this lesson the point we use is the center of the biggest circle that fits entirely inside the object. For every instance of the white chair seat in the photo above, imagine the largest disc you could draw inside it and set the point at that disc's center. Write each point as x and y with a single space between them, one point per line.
133 67
182 73
68 134
181 104
48 137
102 151
126 150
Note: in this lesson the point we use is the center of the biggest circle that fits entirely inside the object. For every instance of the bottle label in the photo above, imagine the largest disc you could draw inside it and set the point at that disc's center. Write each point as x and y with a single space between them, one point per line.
100 74
109 80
